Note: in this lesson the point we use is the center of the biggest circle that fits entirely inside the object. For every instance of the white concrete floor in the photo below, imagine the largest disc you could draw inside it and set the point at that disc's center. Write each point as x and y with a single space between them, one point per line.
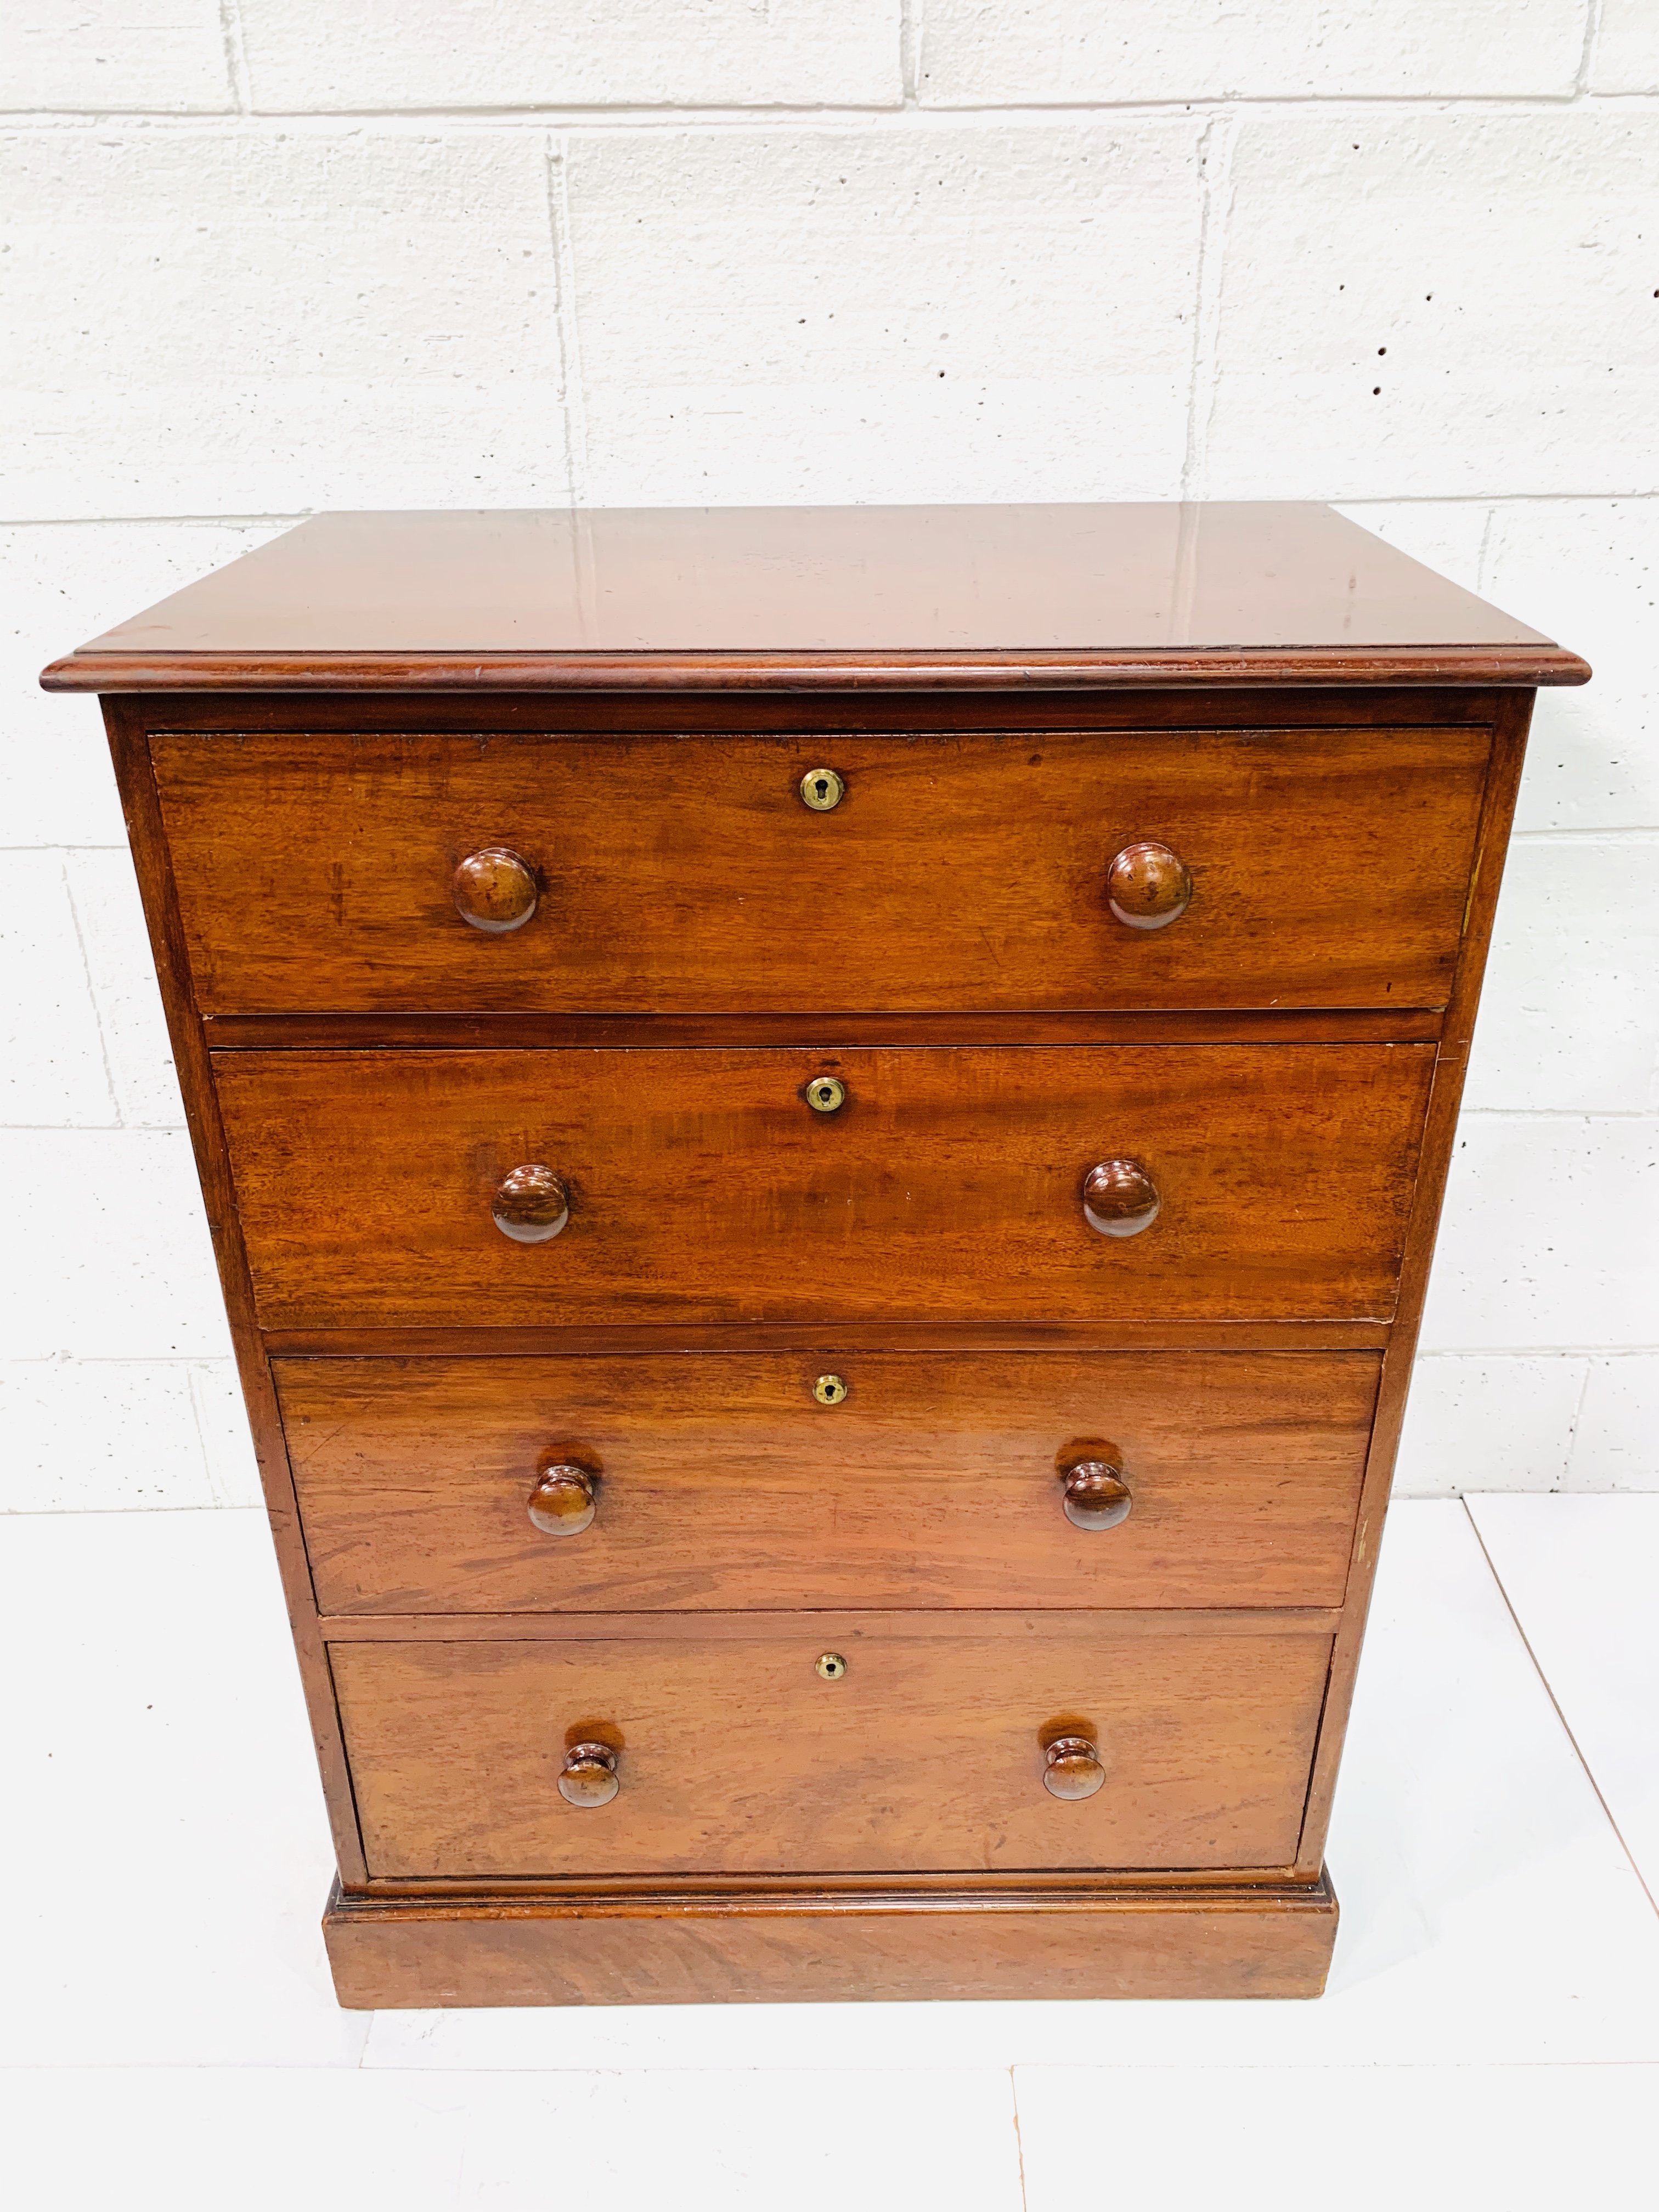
168 2036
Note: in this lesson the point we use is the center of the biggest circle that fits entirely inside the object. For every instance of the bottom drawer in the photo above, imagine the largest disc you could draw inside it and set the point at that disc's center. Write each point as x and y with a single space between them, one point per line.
734 1754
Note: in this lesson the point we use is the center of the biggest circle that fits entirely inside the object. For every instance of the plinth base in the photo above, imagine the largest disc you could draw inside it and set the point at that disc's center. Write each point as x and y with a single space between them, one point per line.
761 1947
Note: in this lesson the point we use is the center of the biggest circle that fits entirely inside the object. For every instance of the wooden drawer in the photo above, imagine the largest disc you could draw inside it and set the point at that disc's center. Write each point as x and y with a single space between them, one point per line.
723 1482
735 1756
702 1188
684 874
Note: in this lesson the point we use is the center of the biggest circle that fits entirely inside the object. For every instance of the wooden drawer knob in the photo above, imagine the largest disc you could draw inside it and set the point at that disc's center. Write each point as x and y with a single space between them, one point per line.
563 1503
589 1775
494 890
1120 1199
1147 887
1074 1769
1095 1496
531 1205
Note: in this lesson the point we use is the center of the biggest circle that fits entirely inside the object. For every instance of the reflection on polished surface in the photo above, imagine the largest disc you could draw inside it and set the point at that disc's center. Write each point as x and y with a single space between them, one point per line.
840 579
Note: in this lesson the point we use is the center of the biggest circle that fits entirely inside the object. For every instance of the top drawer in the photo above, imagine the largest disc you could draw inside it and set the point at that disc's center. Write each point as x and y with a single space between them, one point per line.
1328 868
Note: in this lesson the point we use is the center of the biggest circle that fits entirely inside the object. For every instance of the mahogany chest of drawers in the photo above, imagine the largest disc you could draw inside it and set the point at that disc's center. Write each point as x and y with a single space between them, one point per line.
823 1132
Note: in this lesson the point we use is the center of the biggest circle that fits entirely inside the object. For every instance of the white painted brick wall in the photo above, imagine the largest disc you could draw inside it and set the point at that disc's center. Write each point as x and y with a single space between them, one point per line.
1421 302
165 56
956 311
314 56
1626 52
264 256
987 53
212 320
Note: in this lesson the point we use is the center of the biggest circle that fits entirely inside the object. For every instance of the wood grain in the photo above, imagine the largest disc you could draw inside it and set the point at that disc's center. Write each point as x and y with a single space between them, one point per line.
704 1630
928 1754
1116 1940
705 1190
961 871
722 1482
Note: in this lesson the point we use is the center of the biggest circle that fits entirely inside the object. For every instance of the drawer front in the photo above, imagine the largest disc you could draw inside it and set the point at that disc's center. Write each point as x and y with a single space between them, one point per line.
721 1481
702 1188
684 874
735 1756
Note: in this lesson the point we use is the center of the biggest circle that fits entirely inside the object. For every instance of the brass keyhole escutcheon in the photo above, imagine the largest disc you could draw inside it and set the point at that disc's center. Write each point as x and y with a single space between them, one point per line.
831 1666
822 789
829 1389
825 1096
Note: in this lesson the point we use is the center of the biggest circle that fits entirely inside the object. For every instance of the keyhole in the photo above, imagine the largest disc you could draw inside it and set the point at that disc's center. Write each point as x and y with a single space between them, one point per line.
822 789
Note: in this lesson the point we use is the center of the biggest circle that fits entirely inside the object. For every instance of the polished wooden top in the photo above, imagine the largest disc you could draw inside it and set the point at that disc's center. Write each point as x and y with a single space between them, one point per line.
891 596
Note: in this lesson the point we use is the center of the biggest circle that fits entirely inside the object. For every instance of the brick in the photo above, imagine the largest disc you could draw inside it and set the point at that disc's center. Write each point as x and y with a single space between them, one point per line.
104 892
312 55
220 1415
1446 535
51 1056
1488 1425
954 313
101 1435
1587 571
107 55
61 584
253 322
1626 57
108 1256
1570 1015
1434 304
1617 1444
1547 1239
977 52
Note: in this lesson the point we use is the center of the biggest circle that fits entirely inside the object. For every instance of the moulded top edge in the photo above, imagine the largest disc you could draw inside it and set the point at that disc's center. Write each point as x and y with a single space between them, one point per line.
1462 666
1128 593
